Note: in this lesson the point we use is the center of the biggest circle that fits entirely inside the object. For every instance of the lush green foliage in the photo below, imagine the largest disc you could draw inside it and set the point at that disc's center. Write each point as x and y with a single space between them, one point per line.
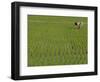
54 40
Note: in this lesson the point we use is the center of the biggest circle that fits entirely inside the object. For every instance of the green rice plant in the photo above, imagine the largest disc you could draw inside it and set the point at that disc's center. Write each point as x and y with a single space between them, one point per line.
54 40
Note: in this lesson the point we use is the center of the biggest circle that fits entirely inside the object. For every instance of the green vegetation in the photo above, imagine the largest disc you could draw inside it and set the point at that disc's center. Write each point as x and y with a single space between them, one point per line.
54 40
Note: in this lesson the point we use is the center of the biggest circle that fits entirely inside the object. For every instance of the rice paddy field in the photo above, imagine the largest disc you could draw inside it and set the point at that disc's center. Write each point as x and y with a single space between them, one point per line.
55 40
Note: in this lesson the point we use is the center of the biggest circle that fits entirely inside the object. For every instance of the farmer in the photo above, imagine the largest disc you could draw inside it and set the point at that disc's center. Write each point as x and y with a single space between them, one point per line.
78 24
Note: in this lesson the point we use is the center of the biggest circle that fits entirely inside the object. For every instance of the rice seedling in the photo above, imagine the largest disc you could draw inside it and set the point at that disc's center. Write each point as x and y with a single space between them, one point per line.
53 40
